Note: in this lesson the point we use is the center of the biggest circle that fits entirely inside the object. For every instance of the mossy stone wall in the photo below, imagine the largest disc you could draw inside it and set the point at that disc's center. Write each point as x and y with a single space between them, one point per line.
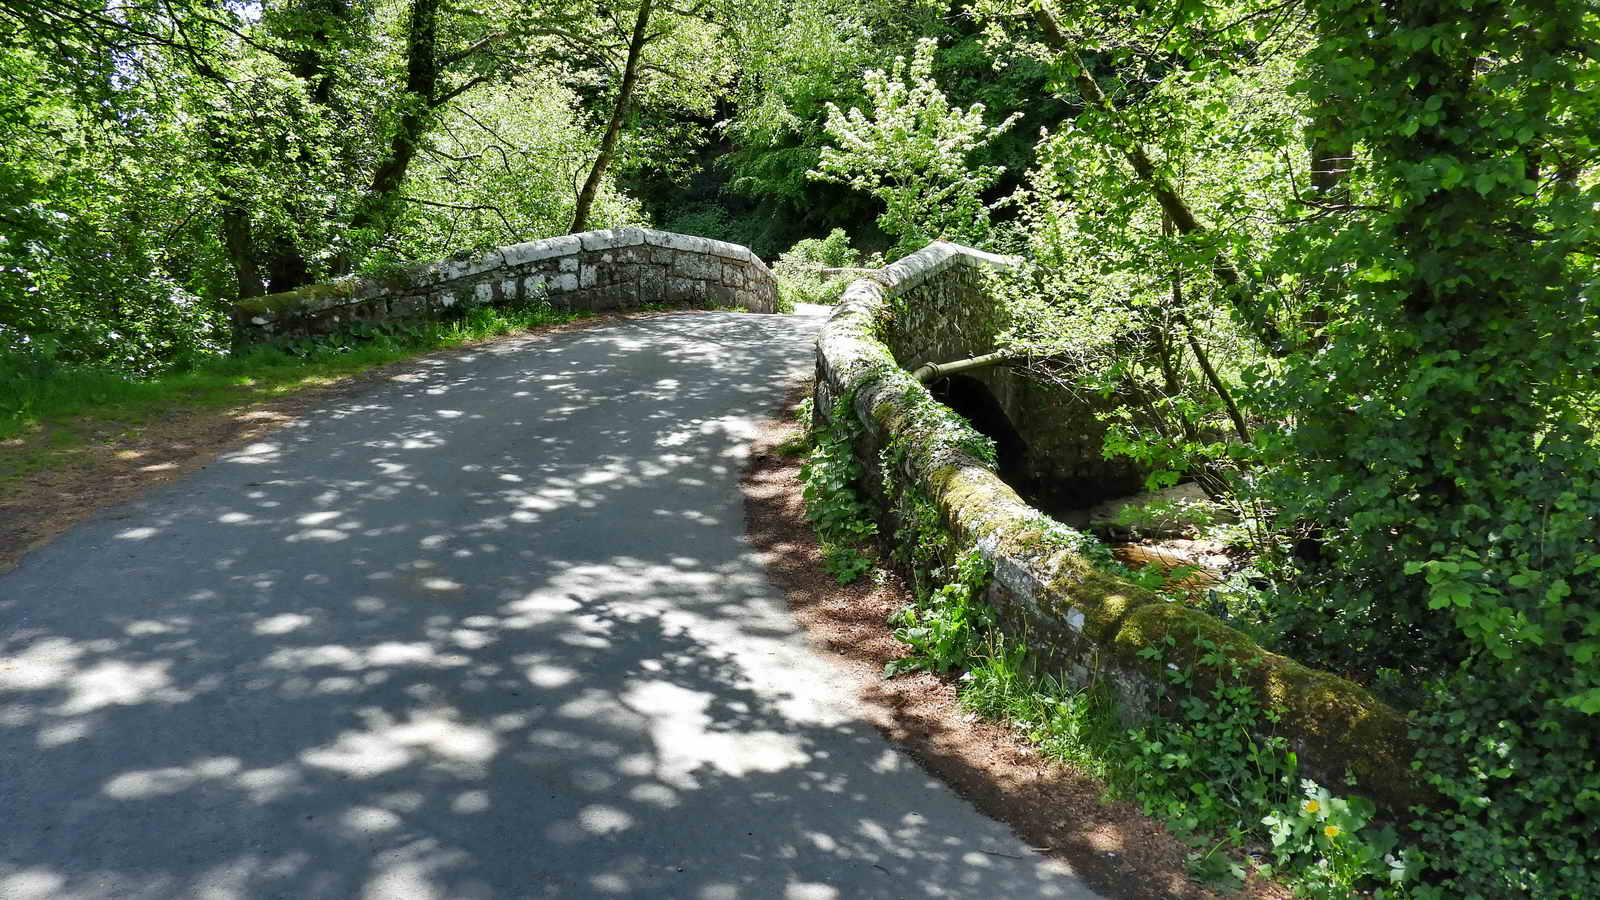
1078 619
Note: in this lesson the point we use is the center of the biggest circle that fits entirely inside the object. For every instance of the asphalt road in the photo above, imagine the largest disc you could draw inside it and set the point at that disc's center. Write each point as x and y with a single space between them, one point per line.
487 630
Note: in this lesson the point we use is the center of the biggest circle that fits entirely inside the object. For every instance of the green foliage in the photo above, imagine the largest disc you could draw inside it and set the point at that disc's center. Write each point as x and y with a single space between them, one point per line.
500 172
792 65
1211 769
800 444
85 277
833 250
911 150
708 220
1321 838
157 164
796 270
1523 784
35 388
950 626
837 512
1209 766
1158 514
1217 768
1441 438
846 563
1390 267
1215 763
1073 725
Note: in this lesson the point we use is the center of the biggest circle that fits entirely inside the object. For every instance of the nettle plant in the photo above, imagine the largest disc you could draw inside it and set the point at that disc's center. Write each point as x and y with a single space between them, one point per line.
911 149
842 519
949 626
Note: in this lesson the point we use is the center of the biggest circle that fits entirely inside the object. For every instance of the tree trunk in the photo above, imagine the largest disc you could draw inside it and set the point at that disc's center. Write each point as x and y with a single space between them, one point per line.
422 86
1332 155
237 236
608 144
287 267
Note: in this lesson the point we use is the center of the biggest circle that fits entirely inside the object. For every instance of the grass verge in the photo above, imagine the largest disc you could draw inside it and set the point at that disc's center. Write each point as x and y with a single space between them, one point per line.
47 409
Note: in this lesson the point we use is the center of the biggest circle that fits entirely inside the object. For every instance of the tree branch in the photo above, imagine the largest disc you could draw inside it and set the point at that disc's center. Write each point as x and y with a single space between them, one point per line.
468 207
1171 202
451 59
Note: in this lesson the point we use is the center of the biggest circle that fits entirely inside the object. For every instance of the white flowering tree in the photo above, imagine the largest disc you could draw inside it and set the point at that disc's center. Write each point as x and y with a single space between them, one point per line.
911 151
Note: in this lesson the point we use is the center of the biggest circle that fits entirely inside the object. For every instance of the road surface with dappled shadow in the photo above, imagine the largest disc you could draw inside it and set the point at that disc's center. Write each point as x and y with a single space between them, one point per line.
486 630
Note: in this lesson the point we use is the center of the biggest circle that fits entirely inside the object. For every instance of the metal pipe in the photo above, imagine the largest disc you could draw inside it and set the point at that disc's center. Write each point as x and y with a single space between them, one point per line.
929 371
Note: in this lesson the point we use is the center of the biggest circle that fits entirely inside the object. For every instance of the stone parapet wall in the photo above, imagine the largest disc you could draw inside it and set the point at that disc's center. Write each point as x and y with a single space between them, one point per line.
1076 618
597 270
953 315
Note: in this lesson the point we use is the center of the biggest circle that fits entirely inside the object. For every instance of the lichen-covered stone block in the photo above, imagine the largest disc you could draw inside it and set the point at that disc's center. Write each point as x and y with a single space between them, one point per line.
682 290
632 254
406 307
615 237
725 249
618 295
538 251
652 284
693 265
598 240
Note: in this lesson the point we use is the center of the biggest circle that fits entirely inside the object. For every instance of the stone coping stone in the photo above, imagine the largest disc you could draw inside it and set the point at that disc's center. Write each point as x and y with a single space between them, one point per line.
1100 622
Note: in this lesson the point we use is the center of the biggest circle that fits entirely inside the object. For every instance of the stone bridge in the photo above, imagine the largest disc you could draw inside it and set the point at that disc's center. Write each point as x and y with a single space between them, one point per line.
622 268
933 306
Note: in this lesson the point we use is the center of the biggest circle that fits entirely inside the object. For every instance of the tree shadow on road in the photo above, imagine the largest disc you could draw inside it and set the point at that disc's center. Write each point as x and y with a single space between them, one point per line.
486 631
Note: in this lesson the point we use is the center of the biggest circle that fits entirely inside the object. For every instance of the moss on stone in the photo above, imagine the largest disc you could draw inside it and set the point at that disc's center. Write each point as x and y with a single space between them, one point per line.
969 494
297 299
1102 600
1337 725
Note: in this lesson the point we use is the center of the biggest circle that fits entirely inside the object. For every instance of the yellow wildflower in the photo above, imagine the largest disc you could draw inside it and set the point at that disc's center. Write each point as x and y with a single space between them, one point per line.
1310 807
1332 831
